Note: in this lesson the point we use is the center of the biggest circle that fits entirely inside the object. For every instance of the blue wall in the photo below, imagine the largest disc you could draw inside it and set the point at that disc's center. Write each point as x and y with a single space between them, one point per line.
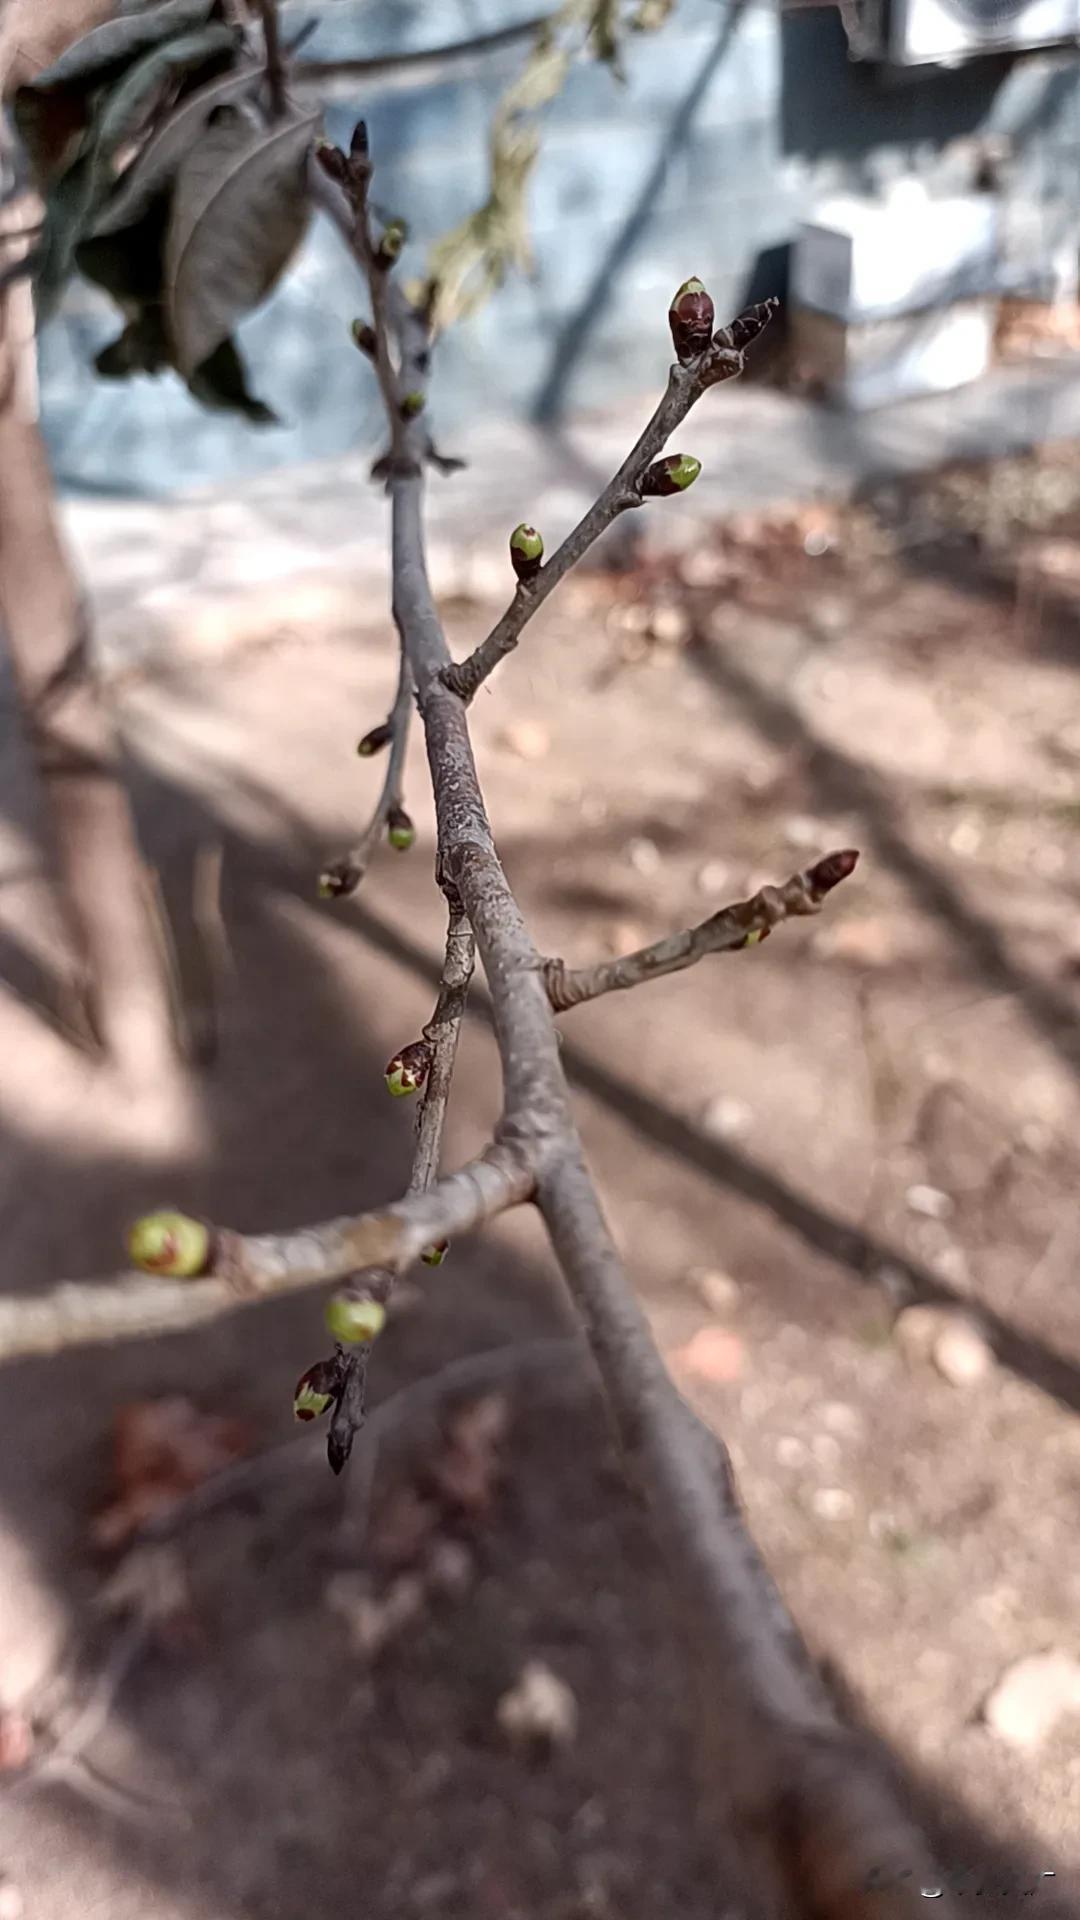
731 124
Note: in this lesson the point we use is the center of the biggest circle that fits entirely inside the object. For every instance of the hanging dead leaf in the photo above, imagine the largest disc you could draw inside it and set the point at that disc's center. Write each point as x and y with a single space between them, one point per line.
50 127
130 265
240 209
100 55
123 111
162 1449
141 348
150 174
33 36
221 383
71 207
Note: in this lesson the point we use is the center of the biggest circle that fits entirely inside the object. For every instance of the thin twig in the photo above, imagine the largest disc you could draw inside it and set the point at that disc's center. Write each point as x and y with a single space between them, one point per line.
249 1267
442 1033
412 67
62 1757
814 1809
343 876
685 386
555 1355
275 66
744 924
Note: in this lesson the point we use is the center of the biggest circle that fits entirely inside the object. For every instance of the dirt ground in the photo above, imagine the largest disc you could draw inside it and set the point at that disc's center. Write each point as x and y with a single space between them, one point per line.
875 1109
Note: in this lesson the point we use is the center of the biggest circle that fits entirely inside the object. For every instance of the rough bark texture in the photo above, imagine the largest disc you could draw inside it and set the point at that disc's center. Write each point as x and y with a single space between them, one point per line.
122 986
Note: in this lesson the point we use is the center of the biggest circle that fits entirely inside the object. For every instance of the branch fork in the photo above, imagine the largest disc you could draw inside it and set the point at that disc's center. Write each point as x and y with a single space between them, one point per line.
812 1807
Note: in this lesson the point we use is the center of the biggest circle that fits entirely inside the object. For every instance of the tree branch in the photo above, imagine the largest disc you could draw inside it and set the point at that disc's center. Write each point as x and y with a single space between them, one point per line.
344 875
275 66
745 924
442 1033
119 985
810 1804
249 1267
685 386
801 1775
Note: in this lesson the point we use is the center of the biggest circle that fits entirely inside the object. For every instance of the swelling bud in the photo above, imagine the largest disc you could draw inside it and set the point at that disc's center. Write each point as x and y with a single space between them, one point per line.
170 1243
690 317
355 1319
673 474
526 552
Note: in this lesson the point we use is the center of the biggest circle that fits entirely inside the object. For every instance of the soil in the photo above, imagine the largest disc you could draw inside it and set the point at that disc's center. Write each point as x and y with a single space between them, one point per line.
874 1108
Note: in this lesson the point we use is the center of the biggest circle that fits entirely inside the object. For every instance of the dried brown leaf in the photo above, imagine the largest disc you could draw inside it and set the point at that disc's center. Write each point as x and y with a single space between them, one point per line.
162 1449
163 153
98 56
33 36
402 1527
468 1472
240 209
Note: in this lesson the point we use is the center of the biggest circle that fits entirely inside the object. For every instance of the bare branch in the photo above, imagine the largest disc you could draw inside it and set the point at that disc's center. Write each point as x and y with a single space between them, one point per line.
275 65
558 1355
685 386
744 924
796 1756
442 1033
812 1806
440 1038
250 1267
344 875
821 1827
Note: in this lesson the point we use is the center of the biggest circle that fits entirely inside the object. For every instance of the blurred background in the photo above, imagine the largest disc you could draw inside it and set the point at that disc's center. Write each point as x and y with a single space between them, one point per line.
842 1168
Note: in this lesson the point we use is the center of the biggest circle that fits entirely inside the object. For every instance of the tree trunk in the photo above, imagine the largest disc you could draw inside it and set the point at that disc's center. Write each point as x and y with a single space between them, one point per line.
122 987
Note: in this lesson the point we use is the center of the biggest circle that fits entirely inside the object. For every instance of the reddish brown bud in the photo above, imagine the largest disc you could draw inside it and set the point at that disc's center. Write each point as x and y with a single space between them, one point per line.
748 325
376 740
408 1070
691 316
317 1389
332 161
434 1255
829 872
363 337
359 145
673 474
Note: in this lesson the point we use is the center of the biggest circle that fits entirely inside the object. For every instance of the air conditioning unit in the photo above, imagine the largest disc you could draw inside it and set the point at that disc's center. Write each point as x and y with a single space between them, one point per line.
914 33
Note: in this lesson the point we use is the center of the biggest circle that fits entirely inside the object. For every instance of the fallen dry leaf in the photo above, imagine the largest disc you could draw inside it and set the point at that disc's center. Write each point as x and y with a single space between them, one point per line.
402 1526
712 1354
373 1621
467 1473
150 1584
162 1450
